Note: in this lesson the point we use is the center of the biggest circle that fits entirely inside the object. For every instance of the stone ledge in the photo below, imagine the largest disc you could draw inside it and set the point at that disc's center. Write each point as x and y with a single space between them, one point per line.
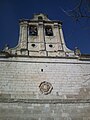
45 101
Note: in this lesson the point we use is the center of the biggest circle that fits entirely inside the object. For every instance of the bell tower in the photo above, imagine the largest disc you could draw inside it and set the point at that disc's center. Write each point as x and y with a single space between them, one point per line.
41 37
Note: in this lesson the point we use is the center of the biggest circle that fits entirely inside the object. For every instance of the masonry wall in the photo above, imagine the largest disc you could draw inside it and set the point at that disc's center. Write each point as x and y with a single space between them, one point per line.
20 78
23 111
20 93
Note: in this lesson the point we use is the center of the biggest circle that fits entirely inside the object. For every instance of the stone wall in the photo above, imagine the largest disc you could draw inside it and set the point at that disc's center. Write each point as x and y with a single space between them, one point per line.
23 111
21 95
21 78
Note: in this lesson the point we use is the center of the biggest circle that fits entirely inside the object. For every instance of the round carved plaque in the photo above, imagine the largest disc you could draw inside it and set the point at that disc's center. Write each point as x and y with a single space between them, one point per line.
45 87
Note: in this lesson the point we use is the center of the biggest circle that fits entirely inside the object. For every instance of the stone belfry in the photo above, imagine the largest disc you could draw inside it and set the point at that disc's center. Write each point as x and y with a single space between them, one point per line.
41 37
41 79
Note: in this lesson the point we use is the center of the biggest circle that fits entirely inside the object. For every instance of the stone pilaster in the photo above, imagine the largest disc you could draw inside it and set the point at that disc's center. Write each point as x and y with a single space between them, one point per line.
62 38
41 37
23 35
56 27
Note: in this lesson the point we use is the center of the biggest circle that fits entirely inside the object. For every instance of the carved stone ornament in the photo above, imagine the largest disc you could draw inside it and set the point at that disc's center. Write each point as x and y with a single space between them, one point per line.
45 87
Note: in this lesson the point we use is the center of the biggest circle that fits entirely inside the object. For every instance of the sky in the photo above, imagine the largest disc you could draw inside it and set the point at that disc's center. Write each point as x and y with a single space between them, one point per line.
76 33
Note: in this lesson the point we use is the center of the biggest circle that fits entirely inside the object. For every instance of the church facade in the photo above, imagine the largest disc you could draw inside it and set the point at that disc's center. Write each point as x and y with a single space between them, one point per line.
41 79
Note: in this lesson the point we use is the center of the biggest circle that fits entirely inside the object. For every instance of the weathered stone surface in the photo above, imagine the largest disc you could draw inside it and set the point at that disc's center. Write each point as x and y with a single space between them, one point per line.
41 79
21 77
22 111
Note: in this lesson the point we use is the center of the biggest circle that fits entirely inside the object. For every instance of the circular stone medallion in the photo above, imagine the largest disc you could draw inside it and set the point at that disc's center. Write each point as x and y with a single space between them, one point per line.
45 87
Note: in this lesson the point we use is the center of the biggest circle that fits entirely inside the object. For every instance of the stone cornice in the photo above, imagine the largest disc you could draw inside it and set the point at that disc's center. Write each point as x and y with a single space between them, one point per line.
33 21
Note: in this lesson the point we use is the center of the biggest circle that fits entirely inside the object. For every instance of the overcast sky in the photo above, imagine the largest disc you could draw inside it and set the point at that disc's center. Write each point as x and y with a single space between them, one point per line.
77 34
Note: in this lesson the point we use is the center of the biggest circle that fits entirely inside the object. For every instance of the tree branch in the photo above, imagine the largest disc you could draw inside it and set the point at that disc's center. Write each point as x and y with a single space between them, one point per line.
79 11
